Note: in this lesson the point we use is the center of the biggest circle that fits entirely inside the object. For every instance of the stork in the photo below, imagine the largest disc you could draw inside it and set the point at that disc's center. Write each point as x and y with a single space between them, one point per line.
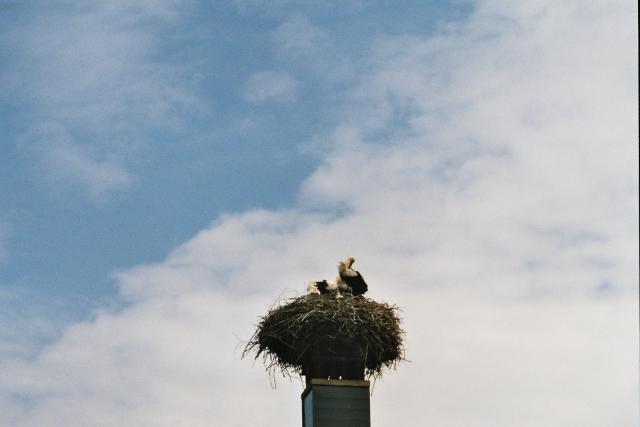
321 288
350 280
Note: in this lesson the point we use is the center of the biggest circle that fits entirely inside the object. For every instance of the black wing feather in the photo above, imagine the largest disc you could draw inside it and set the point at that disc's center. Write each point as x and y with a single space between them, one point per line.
357 284
322 286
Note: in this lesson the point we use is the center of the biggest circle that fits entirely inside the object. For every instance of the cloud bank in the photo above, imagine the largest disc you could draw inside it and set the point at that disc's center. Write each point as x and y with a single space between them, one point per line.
485 180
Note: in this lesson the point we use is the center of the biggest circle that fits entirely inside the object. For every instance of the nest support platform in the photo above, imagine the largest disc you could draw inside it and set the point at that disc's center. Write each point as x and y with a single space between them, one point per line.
333 367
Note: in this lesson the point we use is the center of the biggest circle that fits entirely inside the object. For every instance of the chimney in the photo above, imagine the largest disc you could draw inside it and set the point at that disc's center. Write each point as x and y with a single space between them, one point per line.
336 403
336 394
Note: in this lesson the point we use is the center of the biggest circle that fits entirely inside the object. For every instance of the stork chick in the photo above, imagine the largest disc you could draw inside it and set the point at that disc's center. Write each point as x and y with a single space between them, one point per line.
322 288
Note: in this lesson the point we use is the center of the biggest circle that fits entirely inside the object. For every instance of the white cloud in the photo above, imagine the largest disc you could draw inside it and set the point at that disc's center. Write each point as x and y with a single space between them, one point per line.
487 179
27 319
270 86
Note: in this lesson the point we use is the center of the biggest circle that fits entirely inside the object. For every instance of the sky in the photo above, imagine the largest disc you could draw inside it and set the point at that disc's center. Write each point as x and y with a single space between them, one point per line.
169 169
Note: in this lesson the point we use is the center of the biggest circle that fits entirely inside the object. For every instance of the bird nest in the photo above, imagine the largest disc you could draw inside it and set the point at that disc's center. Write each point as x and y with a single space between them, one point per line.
324 327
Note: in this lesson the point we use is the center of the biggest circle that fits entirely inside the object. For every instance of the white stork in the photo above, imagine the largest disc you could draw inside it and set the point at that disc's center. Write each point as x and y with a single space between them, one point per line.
350 280
321 288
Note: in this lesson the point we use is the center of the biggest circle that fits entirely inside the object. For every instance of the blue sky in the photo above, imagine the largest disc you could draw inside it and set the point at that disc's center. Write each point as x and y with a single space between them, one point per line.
168 168
218 152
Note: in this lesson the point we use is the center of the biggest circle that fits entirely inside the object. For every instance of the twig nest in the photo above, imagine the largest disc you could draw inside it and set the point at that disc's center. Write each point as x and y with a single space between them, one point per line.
321 326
